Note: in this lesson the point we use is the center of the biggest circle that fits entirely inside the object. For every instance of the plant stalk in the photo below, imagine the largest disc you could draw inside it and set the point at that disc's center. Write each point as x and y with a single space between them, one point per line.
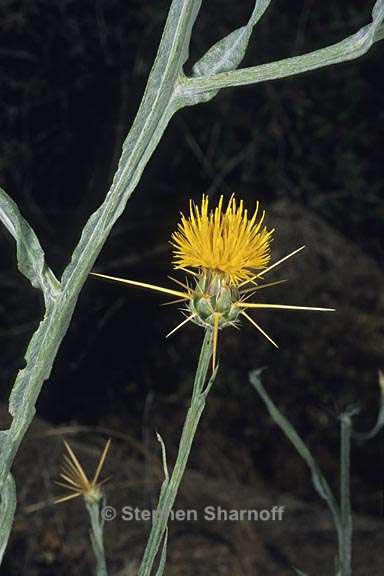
96 533
7 512
345 541
170 488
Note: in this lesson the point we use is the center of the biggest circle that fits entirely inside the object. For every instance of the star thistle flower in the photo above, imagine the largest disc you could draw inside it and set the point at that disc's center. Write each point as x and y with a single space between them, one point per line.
76 480
227 243
228 250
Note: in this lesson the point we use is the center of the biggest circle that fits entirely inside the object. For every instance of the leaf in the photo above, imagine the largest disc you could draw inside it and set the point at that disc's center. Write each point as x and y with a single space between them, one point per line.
163 557
228 52
30 255
165 466
319 482
372 32
364 436
378 11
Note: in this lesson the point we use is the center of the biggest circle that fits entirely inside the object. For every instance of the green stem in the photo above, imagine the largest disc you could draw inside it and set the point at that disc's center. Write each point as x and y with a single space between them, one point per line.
170 488
345 542
7 512
97 525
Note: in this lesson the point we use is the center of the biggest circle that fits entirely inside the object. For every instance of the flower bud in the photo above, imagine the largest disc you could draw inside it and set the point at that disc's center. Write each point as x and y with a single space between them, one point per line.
213 294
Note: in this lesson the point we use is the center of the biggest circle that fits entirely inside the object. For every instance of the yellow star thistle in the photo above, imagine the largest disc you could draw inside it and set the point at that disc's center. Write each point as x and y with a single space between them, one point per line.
76 480
229 250
226 242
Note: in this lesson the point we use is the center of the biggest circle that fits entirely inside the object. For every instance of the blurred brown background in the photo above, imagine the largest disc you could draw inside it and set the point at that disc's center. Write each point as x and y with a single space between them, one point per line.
310 149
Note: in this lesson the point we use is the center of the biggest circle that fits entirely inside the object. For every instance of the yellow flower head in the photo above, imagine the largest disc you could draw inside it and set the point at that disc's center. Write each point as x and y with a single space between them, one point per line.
227 241
230 251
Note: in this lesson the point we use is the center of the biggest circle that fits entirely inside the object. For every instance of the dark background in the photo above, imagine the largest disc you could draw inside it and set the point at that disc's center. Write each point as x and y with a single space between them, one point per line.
71 77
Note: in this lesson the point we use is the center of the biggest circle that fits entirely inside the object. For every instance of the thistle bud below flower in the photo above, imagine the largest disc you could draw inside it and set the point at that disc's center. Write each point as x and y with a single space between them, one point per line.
214 295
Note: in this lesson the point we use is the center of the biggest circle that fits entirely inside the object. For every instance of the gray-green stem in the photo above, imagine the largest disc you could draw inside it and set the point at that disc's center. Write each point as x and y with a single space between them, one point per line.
345 542
8 507
170 488
96 534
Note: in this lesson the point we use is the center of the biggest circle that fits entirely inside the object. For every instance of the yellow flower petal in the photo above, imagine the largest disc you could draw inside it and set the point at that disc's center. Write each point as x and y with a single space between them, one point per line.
224 241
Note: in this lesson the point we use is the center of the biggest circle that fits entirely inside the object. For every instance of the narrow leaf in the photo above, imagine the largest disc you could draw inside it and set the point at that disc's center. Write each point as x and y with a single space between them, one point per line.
372 32
363 436
319 482
164 459
228 52
163 557
30 255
